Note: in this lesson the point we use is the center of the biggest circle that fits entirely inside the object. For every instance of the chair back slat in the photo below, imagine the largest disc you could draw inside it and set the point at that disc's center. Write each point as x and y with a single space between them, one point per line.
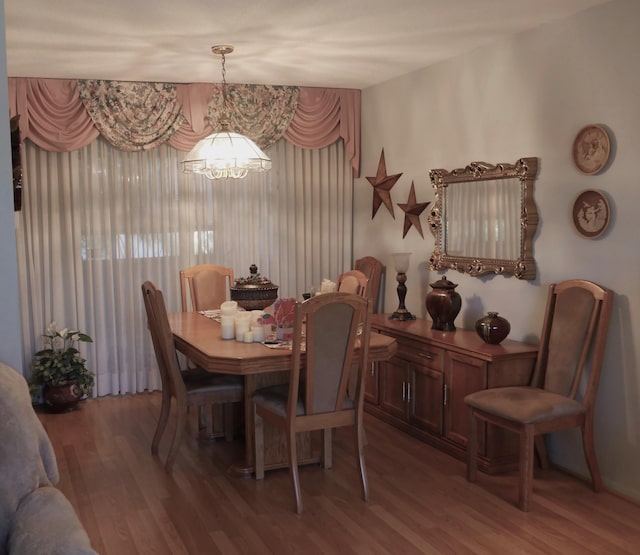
577 319
162 338
586 349
354 282
205 286
331 324
373 269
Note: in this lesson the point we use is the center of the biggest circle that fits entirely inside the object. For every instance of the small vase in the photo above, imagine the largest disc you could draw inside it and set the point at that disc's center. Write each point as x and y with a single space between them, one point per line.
443 304
493 328
61 398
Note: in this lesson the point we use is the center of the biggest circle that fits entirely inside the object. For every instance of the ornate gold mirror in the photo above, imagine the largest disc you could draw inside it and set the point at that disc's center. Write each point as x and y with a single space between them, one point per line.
484 219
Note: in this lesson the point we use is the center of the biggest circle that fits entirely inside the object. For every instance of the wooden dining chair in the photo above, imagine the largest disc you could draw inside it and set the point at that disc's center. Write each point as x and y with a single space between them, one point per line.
353 281
573 341
316 397
372 268
205 286
191 388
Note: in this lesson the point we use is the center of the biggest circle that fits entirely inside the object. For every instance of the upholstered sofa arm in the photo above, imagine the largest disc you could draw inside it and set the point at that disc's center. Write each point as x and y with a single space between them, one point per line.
46 522
35 517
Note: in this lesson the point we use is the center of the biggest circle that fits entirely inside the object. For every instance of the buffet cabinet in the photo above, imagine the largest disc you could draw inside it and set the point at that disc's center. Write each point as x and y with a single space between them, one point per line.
421 389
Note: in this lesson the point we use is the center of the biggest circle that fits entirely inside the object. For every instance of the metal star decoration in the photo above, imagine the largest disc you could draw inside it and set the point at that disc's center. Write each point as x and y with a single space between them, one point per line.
412 211
382 185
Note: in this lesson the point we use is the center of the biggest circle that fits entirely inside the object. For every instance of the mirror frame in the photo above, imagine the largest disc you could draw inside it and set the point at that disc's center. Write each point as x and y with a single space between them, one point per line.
523 267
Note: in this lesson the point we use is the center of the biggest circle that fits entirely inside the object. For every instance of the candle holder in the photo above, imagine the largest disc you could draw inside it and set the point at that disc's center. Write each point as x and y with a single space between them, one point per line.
401 264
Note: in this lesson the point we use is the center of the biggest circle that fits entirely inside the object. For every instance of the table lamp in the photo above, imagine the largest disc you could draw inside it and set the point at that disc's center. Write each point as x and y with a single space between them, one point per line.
401 264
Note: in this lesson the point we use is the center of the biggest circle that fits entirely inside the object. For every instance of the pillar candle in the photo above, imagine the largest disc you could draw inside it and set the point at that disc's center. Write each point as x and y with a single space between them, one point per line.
258 332
242 326
228 308
255 316
248 337
227 327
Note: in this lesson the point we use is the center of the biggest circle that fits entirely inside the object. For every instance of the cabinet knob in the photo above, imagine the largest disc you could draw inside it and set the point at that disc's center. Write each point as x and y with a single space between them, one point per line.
428 356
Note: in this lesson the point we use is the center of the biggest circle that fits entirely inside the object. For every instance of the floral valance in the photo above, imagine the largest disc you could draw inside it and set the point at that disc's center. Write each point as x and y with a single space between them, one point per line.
262 112
63 115
132 116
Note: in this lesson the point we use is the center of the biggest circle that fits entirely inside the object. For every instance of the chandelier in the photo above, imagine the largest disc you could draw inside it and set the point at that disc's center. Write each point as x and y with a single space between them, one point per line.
225 154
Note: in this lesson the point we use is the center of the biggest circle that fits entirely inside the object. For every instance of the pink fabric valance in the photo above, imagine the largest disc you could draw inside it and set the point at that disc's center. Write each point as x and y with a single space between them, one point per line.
51 113
325 115
135 116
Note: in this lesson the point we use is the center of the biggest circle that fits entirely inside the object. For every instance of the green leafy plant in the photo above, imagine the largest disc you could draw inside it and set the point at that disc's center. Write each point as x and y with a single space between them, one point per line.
60 362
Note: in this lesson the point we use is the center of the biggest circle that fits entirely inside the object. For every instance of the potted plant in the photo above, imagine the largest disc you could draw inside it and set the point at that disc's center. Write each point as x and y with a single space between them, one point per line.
59 372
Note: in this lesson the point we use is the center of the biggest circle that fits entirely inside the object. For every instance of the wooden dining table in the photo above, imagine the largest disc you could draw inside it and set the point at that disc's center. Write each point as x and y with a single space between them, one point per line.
199 339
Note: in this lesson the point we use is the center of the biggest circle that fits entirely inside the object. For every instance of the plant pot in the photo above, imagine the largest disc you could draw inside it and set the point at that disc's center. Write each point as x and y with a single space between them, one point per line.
61 398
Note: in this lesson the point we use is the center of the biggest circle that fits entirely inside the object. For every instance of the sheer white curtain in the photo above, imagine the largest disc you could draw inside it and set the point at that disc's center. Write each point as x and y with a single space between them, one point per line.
98 222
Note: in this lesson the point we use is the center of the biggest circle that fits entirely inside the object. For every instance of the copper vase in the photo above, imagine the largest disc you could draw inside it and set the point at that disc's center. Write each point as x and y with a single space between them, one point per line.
443 304
493 328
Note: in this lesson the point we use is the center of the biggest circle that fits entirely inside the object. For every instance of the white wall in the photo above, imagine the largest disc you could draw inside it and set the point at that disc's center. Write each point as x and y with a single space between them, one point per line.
527 96
10 332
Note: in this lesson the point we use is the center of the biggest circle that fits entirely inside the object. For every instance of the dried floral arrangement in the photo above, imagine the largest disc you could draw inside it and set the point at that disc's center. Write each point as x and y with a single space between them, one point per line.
254 278
284 312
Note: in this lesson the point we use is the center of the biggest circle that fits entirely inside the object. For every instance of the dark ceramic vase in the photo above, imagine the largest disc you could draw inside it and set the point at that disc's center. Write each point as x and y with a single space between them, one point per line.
61 398
493 328
443 304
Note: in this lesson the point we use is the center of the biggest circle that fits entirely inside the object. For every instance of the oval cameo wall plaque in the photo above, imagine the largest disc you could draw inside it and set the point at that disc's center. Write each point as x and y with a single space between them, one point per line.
591 213
591 149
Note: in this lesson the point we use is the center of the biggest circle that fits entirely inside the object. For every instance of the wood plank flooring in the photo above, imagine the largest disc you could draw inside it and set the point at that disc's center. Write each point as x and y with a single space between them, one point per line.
420 501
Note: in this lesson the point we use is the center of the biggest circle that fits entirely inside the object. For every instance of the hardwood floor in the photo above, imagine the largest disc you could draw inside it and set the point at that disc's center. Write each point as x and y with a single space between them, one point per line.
420 501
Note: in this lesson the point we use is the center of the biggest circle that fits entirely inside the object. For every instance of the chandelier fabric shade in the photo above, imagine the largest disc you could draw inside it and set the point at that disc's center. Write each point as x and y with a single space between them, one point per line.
226 154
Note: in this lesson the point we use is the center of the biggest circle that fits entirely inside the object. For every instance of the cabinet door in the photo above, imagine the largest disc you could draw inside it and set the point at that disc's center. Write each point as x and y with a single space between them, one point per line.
371 386
425 402
463 375
393 387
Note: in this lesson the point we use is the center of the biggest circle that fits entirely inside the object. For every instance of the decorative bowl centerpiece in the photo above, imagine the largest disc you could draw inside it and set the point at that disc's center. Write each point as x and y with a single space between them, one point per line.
254 292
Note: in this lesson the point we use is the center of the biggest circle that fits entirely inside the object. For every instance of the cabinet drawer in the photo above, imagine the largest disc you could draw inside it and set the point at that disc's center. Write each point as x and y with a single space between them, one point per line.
421 353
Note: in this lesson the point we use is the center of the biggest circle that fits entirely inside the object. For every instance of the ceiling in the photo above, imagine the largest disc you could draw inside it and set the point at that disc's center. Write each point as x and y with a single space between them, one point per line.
333 43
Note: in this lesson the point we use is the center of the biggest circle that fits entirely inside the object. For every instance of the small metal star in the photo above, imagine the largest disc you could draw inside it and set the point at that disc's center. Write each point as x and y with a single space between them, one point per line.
412 211
382 185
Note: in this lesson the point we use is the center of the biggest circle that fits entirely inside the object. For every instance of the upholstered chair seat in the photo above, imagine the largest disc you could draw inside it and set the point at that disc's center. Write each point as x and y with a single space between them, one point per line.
526 405
275 399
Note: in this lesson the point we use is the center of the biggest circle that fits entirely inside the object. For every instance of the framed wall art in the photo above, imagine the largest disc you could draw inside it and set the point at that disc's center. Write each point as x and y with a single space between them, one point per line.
591 213
591 149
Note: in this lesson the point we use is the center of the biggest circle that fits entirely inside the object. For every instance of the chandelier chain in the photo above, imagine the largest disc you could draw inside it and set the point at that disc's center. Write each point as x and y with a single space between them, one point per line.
225 105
